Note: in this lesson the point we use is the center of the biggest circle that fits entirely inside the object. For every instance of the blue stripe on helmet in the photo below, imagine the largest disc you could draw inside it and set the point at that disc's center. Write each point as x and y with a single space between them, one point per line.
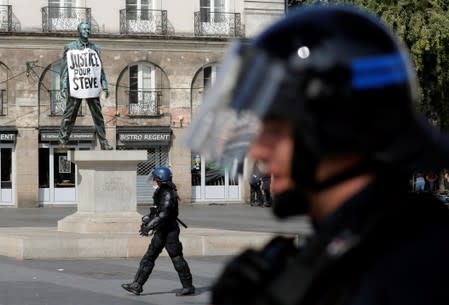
379 71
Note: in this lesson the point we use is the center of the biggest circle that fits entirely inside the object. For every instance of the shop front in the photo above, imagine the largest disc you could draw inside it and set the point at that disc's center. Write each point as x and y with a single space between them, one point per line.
211 182
156 141
57 176
8 136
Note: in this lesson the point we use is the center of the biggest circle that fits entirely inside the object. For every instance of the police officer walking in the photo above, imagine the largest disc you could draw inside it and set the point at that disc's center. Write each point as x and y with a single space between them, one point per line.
163 224
333 92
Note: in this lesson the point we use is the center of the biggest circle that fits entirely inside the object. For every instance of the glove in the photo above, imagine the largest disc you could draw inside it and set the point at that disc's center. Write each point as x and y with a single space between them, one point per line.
144 230
245 278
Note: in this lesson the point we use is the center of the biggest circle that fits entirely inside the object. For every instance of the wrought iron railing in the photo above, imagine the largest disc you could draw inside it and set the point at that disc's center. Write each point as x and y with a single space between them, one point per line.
6 22
3 102
64 19
217 24
143 21
144 102
57 103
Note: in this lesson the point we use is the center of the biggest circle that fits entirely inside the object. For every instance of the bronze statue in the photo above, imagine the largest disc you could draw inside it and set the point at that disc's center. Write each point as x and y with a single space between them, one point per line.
82 77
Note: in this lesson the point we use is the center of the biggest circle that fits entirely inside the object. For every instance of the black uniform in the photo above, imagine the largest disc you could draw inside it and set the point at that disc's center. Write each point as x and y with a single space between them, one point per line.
166 234
383 246
265 189
255 190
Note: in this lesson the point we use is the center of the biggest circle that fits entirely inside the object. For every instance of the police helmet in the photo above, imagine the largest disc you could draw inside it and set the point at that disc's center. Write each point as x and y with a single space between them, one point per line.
342 79
162 174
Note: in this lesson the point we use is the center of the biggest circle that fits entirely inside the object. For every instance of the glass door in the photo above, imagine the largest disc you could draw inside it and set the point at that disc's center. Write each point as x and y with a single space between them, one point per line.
6 174
57 176
211 182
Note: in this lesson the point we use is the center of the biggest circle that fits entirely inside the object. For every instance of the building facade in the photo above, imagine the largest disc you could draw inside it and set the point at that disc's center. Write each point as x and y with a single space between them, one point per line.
158 56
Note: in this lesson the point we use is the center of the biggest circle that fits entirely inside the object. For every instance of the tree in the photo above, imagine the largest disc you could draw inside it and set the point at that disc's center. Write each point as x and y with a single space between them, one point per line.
423 26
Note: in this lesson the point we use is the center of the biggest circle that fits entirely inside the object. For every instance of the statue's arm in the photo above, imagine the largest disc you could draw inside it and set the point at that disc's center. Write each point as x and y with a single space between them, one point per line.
104 81
64 76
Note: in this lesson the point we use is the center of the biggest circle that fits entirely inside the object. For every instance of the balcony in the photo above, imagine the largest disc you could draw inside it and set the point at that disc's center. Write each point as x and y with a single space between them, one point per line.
57 103
143 21
217 24
64 19
144 102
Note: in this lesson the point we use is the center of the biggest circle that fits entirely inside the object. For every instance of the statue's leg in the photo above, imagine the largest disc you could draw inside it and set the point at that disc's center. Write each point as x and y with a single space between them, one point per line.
97 116
68 119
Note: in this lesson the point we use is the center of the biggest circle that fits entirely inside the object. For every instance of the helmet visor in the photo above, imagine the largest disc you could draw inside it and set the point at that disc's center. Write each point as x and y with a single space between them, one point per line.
230 115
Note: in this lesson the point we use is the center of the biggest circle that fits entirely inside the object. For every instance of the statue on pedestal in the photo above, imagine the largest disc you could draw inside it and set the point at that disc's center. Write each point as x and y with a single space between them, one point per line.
82 77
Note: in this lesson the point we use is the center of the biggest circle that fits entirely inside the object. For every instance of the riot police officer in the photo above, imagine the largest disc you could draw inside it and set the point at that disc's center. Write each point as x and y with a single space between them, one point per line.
255 194
325 98
163 223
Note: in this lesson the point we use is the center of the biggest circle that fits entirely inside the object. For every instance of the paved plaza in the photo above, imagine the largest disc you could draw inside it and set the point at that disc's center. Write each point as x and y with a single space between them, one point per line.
92 282
97 281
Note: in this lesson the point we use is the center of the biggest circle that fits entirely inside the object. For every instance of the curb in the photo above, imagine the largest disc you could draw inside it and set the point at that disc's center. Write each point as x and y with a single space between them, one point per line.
48 243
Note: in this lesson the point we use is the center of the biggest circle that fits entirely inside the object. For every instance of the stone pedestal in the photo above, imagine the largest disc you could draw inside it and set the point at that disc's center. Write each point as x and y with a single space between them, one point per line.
106 192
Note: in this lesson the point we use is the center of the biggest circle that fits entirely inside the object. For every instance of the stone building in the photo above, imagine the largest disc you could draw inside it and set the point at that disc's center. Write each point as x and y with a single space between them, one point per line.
158 57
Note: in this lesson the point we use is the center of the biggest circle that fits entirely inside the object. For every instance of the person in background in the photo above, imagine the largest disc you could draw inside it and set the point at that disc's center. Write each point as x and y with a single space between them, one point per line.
420 182
431 179
255 194
266 190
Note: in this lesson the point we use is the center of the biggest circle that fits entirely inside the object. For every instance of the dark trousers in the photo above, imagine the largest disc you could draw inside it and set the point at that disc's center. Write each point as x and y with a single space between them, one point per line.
69 118
168 239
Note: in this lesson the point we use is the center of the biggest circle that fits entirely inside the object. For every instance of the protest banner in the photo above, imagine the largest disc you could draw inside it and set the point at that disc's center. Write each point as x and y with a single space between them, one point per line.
84 73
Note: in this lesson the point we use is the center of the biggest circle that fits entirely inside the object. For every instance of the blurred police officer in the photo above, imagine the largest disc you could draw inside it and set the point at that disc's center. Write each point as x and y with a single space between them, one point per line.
326 97
163 224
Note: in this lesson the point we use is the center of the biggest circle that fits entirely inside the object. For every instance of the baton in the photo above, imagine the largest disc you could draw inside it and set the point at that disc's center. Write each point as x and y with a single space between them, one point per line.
182 223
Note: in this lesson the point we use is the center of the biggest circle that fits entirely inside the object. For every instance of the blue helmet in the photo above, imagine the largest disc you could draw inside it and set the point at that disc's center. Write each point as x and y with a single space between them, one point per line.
162 174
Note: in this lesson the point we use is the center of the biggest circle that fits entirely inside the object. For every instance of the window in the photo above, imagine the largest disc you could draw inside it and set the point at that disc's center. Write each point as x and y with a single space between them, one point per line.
60 8
57 103
203 79
212 10
138 9
143 98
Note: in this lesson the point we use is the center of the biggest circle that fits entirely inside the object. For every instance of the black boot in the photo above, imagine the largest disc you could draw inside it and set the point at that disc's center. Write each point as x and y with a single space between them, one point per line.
141 277
185 276
187 288
133 287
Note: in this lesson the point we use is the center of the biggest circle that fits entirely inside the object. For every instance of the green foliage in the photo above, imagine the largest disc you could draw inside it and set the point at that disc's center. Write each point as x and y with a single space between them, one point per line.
423 27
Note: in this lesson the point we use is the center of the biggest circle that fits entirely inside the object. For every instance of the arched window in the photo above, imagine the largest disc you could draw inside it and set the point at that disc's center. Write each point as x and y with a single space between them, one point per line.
143 95
56 102
203 79
4 78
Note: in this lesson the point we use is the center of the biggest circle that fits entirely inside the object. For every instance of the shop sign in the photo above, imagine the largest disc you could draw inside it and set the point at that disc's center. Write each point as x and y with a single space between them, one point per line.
162 138
7 137
73 137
